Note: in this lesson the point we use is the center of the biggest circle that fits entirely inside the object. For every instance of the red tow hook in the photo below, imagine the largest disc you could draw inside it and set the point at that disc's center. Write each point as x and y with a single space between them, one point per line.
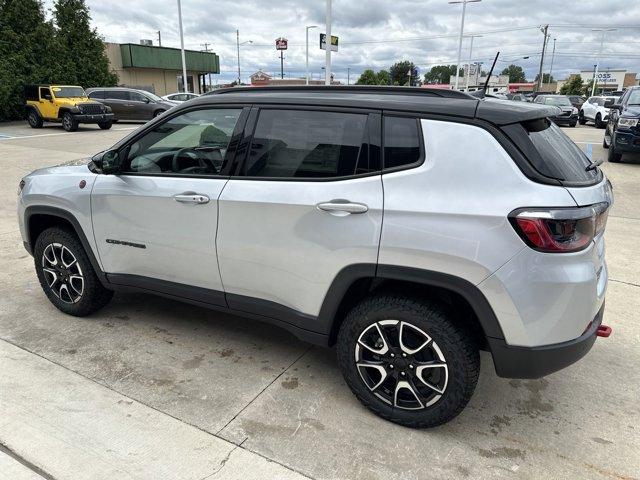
604 331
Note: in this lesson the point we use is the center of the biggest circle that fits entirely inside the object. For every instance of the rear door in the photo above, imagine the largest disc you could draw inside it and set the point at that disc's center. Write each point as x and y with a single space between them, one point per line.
155 223
117 100
305 203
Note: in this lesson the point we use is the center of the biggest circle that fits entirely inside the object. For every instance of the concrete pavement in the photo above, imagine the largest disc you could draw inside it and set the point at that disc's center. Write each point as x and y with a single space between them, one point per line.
200 385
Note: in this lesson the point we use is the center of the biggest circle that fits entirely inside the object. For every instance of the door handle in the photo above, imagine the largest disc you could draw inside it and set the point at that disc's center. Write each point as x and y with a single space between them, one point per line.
190 197
342 206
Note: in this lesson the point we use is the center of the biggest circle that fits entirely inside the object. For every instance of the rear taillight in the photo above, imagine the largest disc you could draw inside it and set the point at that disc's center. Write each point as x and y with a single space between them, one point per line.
560 230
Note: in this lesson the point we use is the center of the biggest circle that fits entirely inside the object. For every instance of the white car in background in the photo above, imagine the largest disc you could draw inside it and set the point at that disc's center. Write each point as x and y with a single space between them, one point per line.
180 97
596 109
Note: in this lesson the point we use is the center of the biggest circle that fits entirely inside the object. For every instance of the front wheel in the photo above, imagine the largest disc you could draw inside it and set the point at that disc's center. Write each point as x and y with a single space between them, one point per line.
406 361
598 121
66 275
69 123
613 156
581 119
105 125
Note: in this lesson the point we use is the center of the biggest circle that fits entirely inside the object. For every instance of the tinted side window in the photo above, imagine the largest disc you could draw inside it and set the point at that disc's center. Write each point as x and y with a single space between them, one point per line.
97 94
401 142
307 144
117 94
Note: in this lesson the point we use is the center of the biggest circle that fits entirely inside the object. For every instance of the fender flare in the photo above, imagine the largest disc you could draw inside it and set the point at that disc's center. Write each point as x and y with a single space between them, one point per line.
34 108
69 217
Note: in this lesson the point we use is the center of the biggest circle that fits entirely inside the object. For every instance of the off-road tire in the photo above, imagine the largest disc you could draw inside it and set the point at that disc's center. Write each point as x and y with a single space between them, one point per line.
455 342
105 125
69 123
613 156
94 296
34 118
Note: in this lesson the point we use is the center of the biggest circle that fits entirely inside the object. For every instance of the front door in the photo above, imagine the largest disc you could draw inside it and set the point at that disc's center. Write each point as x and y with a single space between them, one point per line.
155 223
307 203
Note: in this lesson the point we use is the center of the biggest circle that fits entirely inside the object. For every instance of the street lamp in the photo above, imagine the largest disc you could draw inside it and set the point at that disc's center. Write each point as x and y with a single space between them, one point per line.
553 54
238 47
464 10
327 72
466 88
597 65
184 63
307 32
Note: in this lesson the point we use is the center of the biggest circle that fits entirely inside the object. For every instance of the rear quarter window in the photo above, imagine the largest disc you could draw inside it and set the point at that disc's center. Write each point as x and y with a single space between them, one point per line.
551 152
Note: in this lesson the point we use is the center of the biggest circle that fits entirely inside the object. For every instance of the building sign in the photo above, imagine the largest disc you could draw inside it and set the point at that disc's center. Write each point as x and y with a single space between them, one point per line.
613 77
323 42
281 43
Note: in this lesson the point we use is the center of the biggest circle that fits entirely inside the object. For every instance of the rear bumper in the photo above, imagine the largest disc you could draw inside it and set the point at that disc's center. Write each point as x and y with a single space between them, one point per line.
98 118
536 362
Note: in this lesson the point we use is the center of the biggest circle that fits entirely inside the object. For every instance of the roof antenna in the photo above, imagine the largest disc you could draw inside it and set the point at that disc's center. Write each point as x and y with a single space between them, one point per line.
483 93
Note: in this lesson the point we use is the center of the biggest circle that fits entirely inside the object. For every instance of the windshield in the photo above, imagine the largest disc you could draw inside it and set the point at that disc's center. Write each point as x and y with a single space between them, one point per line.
68 92
557 101
634 97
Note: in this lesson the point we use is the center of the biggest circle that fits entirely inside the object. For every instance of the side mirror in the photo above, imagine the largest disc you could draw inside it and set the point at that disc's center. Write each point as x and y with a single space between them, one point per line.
146 100
617 106
608 103
108 161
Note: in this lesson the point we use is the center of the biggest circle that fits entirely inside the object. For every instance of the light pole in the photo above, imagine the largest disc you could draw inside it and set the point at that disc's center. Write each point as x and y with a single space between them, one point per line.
184 63
238 47
466 88
327 71
597 65
307 63
348 75
464 11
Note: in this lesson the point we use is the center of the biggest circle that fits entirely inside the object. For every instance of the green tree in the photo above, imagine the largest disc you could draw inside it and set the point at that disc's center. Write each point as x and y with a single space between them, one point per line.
573 86
26 43
368 77
384 78
399 72
516 74
546 78
586 90
440 74
81 50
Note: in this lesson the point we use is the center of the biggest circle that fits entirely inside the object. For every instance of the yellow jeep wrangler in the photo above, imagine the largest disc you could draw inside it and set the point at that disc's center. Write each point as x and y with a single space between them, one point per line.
64 103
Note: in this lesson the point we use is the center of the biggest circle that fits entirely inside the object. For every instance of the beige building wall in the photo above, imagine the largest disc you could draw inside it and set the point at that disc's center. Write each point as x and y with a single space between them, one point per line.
160 82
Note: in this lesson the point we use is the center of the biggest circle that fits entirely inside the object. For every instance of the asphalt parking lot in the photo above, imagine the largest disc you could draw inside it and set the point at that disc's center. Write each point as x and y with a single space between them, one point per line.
148 388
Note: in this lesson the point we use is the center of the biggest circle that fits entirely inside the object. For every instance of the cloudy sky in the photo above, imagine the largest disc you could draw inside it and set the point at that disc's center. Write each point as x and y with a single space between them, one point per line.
376 33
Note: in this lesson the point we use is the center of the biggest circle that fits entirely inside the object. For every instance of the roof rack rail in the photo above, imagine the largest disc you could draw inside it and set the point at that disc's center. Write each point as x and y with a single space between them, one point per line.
434 92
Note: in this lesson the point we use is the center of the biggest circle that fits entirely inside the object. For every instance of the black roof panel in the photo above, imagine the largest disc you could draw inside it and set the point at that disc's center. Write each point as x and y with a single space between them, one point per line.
399 99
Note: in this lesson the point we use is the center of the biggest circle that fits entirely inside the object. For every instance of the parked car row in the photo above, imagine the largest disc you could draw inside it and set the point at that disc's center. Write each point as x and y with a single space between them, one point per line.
71 105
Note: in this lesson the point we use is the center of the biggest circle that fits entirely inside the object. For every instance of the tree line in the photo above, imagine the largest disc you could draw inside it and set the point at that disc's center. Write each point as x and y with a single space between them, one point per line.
62 50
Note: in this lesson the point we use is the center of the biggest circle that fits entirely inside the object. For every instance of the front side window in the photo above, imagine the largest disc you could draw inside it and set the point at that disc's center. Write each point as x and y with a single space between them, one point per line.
401 142
138 97
308 144
194 143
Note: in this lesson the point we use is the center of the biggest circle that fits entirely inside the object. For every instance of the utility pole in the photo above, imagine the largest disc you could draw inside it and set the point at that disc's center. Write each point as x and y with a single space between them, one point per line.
159 38
281 64
553 54
184 62
464 11
544 47
597 65
327 71
348 75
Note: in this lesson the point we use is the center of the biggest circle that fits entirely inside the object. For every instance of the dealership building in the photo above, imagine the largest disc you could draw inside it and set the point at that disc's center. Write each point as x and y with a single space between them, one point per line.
159 69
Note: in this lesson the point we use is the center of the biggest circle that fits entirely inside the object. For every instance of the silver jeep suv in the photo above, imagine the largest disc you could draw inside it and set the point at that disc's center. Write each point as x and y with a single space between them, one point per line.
410 228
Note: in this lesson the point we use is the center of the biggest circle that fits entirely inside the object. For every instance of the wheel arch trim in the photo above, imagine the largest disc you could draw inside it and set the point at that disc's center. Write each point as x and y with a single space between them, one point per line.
60 213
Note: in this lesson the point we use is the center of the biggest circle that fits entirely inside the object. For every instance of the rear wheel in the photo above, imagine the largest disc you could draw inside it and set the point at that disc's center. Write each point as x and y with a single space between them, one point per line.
34 119
157 113
69 123
66 275
406 361
598 121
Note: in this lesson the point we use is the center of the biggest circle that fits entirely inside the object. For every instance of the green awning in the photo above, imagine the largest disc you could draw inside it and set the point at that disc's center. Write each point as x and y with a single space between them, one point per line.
143 56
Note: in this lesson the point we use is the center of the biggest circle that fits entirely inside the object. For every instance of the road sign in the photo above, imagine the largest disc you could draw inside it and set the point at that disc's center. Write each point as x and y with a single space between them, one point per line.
281 43
323 42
